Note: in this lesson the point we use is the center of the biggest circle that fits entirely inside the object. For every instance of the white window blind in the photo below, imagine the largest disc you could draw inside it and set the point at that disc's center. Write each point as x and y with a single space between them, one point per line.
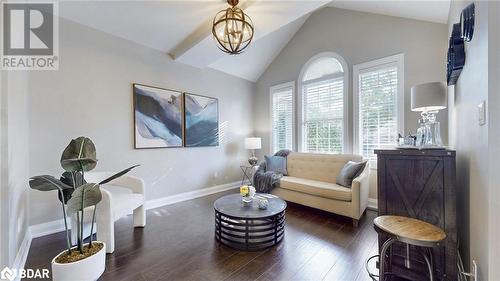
378 109
323 116
282 118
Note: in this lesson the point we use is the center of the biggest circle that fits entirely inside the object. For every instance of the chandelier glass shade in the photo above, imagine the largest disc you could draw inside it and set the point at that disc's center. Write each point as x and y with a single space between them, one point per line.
232 29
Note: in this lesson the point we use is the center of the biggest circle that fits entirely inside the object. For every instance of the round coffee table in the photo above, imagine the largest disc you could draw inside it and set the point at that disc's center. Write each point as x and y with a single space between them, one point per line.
246 227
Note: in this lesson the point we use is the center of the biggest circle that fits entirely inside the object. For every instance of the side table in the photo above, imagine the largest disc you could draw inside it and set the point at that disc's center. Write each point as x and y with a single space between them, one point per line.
247 173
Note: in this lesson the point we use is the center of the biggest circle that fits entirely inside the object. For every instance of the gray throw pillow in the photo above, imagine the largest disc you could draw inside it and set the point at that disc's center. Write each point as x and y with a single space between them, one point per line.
276 164
349 172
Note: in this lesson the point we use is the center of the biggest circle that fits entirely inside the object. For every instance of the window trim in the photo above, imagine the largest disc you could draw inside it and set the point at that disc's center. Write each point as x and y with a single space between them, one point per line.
398 61
273 89
347 147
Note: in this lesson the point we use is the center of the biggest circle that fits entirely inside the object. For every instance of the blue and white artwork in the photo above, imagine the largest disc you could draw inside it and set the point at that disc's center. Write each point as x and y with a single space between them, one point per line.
158 117
201 121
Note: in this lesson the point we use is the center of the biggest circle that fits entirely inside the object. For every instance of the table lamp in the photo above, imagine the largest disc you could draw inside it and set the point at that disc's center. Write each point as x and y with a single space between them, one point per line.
428 99
253 144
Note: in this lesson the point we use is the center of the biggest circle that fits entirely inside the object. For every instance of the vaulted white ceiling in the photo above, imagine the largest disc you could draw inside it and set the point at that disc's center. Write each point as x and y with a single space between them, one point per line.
259 54
426 10
182 29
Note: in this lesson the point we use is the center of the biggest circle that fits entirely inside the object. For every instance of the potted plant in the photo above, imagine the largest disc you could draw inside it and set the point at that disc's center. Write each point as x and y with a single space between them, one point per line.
81 261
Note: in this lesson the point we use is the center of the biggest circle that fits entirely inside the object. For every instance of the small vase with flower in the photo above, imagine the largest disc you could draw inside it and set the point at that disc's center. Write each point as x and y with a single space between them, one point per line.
247 193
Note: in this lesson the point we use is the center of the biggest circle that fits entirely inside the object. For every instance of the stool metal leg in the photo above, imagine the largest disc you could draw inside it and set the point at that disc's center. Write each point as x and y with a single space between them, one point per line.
407 258
431 257
429 266
389 260
385 246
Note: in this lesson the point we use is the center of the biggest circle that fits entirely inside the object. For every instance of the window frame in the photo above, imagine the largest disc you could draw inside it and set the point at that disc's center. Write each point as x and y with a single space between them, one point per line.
394 60
346 145
272 90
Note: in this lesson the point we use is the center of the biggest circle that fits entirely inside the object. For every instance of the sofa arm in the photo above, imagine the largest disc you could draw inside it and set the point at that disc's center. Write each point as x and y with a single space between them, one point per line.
133 183
255 169
360 190
261 167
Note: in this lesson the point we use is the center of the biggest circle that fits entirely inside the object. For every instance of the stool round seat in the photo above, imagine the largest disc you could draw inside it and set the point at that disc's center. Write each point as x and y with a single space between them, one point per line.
410 229
411 232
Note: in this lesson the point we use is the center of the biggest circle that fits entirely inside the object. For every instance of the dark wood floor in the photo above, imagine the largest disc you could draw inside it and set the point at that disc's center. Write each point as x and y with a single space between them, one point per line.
178 244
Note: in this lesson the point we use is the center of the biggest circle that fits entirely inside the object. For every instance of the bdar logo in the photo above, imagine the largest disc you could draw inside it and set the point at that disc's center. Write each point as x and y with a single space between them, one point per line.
24 273
7 274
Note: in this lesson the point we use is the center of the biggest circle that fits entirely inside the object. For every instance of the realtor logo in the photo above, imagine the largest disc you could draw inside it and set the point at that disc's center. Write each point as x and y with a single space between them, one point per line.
30 36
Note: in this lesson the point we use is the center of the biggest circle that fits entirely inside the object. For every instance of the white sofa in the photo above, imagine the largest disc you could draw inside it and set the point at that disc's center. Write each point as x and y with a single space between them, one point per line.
311 182
120 197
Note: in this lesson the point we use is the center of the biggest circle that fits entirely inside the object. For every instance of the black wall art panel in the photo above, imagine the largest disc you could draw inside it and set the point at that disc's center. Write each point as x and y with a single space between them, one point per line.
456 55
462 32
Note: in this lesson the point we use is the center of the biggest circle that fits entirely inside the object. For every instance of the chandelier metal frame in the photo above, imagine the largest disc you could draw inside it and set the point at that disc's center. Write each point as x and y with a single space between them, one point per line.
232 29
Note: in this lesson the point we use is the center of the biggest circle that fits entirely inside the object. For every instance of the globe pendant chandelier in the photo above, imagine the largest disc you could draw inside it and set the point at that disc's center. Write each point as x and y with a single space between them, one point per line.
232 29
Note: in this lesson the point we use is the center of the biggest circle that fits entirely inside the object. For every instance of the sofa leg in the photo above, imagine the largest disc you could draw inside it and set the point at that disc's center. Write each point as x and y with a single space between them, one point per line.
140 217
355 223
106 230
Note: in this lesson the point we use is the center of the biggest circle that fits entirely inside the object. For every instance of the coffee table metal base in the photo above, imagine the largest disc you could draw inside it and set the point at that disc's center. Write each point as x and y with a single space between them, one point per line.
249 234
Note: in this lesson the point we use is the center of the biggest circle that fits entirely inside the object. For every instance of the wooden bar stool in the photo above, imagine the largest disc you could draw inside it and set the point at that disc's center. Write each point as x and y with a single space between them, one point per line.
411 232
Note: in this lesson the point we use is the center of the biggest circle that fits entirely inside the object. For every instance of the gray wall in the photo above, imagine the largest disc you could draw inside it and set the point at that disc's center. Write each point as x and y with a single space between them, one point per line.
494 137
358 37
14 164
3 169
91 95
477 146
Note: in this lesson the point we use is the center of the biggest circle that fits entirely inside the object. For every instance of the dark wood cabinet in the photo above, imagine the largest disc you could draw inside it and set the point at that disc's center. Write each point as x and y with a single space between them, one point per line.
420 184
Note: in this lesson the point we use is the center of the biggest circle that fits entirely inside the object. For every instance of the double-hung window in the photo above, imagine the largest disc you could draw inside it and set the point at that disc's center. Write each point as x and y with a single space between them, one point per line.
323 105
282 116
378 104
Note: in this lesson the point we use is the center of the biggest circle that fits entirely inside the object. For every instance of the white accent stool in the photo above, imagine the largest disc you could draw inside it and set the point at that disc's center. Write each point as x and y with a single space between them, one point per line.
120 197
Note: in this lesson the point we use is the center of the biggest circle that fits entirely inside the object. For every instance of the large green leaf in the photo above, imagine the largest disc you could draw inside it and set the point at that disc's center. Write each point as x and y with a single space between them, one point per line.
47 183
119 174
66 193
67 178
79 154
84 196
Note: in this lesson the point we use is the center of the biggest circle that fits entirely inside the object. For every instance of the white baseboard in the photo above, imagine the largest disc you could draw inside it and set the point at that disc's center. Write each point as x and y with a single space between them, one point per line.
22 253
372 204
47 228
168 200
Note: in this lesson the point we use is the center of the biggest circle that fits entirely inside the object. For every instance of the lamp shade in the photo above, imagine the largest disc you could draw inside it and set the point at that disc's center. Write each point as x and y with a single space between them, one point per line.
253 143
428 97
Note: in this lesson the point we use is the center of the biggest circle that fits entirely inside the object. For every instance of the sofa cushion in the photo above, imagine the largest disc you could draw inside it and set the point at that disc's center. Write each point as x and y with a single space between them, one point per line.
124 201
276 164
317 188
349 172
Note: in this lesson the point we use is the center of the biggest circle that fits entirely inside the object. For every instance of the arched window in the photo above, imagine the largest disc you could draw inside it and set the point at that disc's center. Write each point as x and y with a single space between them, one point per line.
323 104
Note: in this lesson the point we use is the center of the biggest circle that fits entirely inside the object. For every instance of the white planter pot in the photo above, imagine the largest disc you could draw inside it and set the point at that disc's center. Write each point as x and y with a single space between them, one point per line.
88 269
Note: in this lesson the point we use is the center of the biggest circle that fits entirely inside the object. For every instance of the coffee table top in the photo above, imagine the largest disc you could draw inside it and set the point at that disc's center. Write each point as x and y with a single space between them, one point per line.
232 205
